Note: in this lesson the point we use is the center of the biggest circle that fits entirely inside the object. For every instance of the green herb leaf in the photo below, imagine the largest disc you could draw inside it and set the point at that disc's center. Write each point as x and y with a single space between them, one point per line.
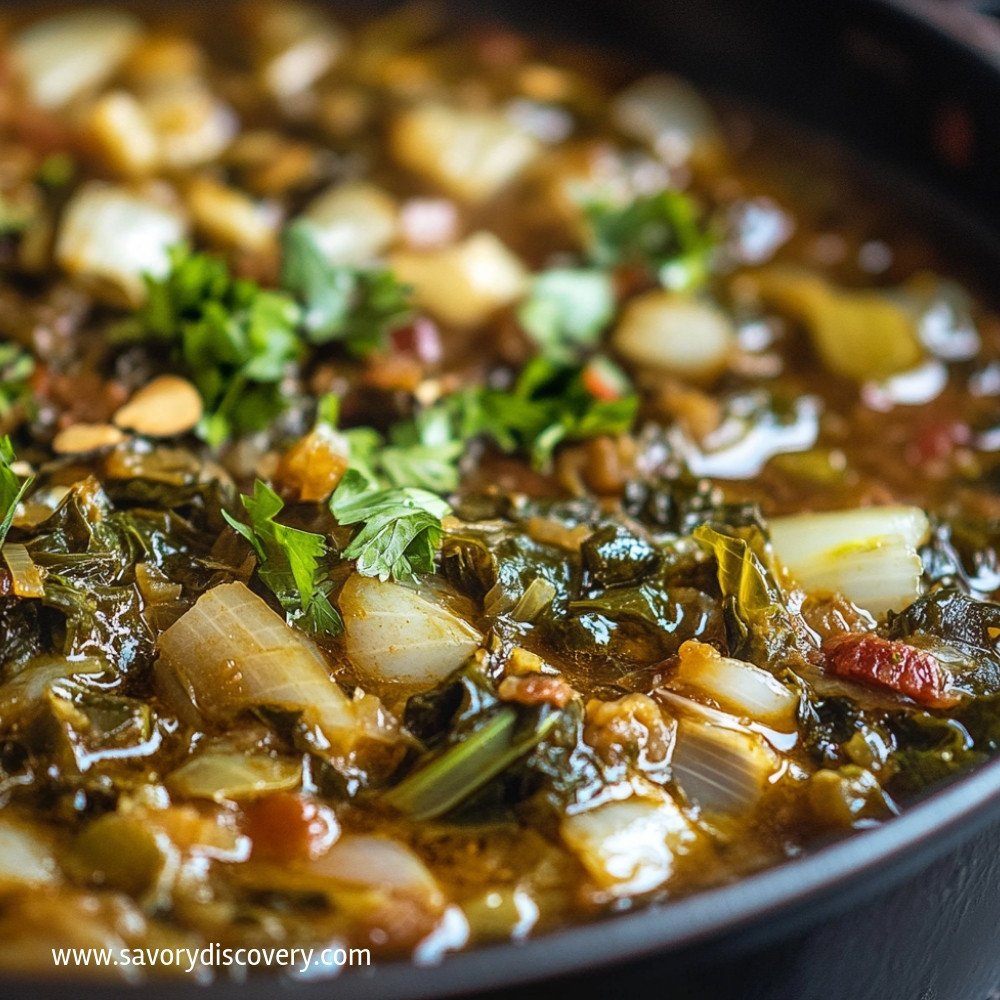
16 368
289 562
549 404
12 487
661 232
358 307
566 310
234 340
401 528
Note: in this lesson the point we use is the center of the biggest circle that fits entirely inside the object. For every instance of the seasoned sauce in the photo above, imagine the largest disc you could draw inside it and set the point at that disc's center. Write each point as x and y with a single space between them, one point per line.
455 489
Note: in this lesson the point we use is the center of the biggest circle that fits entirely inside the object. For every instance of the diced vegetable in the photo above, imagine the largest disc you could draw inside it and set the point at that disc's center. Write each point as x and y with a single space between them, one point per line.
396 633
889 664
223 775
193 126
119 851
353 223
26 854
111 237
672 117
723 771
229 218
869 555
630 846
675 333
297 44
232 653
469 154
118 128
464 284
61 57
847 797
860 335
286 828
739 687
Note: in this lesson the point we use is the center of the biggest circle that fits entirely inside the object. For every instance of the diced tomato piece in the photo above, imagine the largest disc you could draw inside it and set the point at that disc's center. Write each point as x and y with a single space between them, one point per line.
604 380
288 827
890 664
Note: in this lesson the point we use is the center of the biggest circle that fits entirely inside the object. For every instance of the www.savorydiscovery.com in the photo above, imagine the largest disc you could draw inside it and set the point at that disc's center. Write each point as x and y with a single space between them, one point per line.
303 961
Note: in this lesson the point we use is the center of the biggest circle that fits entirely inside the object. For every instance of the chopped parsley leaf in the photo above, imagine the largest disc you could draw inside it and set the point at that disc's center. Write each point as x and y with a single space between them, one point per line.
12 487
356 306
661 232
289 562
566 310
235 340
400 527
16 368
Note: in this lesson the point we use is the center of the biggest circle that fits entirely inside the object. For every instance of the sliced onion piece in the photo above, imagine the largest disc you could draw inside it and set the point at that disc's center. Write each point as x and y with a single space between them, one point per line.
233 775
737 686
869 555
722 771
61 57
231 653
396 633
630 846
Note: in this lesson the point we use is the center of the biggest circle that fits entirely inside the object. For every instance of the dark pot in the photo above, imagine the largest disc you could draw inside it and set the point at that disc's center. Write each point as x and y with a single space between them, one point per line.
909 910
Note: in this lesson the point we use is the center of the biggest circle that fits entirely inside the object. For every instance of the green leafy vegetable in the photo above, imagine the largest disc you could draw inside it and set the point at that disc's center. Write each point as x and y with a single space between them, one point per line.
566 310
289 562
12 487
758 625
16 368
358 307
235 340
401 527
661 232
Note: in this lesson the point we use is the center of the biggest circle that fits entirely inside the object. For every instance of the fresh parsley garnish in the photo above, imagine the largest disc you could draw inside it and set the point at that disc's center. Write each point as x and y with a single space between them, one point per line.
356 306
12 487
566 310
16 368
290 562
400 528
661 232
548 405
235 340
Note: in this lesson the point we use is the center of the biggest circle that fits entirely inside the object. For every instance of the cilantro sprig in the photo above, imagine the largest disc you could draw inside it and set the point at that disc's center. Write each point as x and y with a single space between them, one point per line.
400 527
290 562
661 232
235 340
548 405
358 307
12 487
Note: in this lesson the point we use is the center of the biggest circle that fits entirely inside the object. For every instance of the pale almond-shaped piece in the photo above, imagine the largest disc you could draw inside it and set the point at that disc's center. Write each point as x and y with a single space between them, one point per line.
82 438
167 406
118 128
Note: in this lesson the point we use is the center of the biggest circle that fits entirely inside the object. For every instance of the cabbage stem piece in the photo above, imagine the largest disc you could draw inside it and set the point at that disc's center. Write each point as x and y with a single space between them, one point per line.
869 555
231 653
465 767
